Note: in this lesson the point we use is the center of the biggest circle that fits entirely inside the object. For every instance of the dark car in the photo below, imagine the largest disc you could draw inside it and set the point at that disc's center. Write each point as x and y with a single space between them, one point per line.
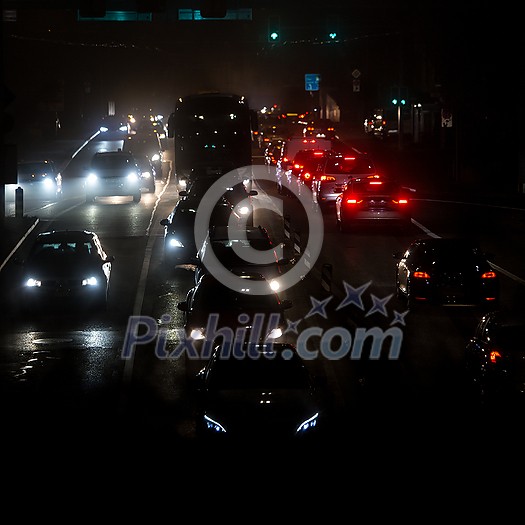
335 171
148 144
113 173
40 179
373 200
306 163
446 271
66 268
180 247
261 394
148 173
115 126
224 246
212 307
495 360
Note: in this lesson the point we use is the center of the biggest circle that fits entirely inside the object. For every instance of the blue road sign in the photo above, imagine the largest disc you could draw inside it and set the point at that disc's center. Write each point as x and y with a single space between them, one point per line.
311 81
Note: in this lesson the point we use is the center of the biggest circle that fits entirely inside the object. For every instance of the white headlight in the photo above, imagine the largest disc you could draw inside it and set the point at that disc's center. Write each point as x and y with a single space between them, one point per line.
308 424
275 333
91 178
90 281
155 157
33 282
132 176
175 243
197 333
213 425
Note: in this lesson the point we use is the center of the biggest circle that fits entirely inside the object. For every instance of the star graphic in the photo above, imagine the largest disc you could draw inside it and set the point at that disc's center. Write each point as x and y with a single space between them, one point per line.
399 317
318 307
292 326
353 295
379 305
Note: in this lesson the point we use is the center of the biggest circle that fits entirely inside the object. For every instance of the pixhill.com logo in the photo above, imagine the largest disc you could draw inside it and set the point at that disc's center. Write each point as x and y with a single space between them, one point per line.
334 343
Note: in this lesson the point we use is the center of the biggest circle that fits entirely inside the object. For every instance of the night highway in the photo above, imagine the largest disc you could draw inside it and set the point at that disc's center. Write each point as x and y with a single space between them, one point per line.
68 370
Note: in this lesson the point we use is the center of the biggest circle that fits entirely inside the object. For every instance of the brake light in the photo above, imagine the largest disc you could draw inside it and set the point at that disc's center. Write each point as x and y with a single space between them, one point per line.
317 153
495 356
400 201
349 158
327 178
488 275
306 175
352 201
375 183
421 275
298 166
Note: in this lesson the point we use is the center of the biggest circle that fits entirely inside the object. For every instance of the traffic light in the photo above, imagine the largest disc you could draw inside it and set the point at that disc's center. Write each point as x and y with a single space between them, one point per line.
274 29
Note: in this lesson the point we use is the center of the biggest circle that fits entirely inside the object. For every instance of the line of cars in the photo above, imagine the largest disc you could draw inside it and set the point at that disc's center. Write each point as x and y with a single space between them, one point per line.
253 386
432 271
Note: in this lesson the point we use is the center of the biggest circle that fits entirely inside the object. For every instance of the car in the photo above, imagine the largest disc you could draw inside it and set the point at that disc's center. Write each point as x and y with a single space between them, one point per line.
272 152
148 173
213 309
336 170
261 394
149 144
235 196
66 268
306 164
115 126
495 360
320 128
113 173
224 246
288 151
40 179
446 271
373 200
180 247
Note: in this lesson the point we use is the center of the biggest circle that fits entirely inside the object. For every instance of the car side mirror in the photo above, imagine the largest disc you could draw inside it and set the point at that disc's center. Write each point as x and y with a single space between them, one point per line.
183 193
253 193
183 306
110 259
164 222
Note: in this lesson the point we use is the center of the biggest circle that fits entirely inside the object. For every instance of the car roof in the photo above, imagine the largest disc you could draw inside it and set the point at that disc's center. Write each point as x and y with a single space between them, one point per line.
224 233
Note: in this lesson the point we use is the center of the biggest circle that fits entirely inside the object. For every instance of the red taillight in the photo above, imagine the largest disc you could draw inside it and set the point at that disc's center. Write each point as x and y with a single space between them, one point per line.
327 178
351 201
495 356
375 183
488 275
306 175
400 201
421 275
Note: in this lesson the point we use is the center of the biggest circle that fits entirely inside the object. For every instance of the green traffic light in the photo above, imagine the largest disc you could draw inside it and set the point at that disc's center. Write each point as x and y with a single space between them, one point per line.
394 101
274 35
332 35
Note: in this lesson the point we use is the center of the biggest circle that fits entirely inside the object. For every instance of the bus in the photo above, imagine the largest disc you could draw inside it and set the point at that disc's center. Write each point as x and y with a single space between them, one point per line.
212 132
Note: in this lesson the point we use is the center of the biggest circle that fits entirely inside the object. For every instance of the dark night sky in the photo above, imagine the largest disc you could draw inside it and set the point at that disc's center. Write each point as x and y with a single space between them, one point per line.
457 49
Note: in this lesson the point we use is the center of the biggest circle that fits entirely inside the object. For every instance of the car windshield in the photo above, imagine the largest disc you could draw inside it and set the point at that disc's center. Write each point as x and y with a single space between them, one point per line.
225 250
272 372
112 162
349 165
61 249
220 298
449 253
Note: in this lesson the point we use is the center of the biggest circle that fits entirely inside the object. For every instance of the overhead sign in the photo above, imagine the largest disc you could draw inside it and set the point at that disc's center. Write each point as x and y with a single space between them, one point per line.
311 81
